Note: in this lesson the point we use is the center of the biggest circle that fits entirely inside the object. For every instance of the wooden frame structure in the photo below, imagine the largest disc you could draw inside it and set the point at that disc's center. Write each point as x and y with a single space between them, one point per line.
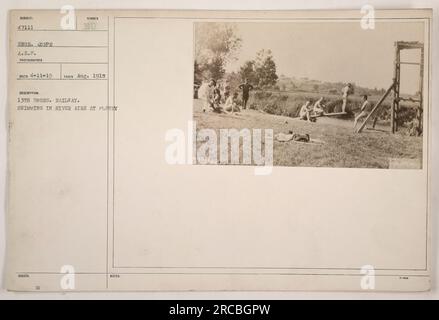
395 87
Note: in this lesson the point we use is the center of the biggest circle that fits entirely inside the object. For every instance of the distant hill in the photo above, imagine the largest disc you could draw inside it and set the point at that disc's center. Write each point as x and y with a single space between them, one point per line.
310 85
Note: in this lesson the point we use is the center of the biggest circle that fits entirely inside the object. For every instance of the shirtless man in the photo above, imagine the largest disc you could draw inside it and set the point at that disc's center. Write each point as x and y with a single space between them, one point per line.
205 93
231 103
346 91
305 111
364 110
318 108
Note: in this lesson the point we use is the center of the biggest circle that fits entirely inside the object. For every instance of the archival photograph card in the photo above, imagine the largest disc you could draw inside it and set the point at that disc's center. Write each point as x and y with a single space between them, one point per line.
219 150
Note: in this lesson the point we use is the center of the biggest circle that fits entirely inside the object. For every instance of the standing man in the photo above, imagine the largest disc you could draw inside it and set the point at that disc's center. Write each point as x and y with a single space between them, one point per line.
206 94
245 87
203 94
216 98
347 90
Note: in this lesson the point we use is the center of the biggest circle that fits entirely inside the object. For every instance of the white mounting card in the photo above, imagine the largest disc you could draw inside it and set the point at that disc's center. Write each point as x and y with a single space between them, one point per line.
219 150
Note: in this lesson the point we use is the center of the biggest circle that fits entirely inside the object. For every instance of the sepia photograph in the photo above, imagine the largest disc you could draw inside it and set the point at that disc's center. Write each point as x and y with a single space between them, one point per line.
326 94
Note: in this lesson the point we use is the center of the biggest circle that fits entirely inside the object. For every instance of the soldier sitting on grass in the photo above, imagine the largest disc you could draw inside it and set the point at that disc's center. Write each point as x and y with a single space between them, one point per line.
305 111
318 108
232 103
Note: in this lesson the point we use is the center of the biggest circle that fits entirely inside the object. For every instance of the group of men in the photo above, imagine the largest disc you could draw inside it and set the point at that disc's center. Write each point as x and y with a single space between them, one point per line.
310 111
214 95
219 98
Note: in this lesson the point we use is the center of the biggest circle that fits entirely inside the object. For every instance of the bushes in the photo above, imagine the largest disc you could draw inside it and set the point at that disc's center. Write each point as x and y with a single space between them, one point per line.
289 105
406 115
262 95
334 106
273 108
276 103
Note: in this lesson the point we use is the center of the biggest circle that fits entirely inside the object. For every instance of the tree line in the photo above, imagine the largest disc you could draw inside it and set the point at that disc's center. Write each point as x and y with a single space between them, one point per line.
217 44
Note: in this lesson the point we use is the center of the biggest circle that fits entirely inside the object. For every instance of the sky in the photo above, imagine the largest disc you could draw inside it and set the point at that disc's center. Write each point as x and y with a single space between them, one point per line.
334 51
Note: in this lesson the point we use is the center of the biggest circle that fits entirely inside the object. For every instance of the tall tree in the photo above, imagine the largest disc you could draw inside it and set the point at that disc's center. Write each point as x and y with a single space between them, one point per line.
215 45
265 68
198 76
247 71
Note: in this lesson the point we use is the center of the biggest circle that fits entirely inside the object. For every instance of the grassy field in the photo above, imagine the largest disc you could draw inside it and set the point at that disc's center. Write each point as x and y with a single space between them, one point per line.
342 147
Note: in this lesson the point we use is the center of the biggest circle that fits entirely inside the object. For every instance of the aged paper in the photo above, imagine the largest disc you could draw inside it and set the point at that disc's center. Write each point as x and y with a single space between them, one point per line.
180 150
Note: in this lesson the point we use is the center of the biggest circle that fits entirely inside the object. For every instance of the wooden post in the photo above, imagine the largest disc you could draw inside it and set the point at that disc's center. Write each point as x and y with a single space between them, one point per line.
374 123
395 105
396 80
392 106
421 87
